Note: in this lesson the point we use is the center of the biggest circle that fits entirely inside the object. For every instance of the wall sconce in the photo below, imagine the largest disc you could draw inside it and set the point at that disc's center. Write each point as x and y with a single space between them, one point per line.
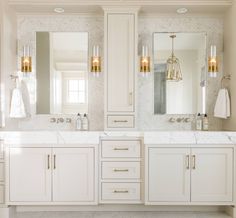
96 61
26 60
145 61
213 68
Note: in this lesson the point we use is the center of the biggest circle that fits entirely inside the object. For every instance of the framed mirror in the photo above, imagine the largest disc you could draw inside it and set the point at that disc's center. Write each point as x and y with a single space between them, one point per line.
188 94
62 72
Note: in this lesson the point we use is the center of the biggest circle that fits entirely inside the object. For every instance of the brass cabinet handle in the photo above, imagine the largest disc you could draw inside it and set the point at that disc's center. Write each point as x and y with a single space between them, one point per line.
187 159
120 121
194 162
131 98
121 149
48 161
121 170
117 191
54 161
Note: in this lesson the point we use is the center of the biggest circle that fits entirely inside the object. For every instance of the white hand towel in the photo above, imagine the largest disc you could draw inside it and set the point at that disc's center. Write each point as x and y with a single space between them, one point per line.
222 106
17 108
26 98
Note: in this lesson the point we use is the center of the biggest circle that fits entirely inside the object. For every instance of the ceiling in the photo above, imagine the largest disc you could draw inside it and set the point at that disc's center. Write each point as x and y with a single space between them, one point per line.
95 6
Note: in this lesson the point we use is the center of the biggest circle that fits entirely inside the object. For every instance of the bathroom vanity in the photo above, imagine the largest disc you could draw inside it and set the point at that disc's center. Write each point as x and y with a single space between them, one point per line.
141 152
99 168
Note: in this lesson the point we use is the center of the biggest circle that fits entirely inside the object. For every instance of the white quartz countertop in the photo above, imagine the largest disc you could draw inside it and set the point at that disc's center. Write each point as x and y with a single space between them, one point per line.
61 138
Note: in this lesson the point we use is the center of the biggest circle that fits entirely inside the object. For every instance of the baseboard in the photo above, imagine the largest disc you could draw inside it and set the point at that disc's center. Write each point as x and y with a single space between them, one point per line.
121 208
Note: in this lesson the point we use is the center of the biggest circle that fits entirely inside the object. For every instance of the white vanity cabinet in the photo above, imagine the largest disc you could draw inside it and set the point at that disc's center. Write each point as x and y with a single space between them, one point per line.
190 175
120 67
120 171
168 174
30 174
73 174
52 175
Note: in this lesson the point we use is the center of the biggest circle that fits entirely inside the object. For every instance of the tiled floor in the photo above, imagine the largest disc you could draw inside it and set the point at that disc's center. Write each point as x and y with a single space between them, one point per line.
121 215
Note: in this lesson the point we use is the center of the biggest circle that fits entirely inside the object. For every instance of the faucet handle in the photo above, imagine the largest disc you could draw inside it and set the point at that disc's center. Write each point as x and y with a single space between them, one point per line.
187 120
68 120
172 120
52 120
60 120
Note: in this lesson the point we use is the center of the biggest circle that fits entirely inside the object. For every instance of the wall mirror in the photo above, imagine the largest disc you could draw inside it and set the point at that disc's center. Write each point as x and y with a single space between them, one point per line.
188 95
62 72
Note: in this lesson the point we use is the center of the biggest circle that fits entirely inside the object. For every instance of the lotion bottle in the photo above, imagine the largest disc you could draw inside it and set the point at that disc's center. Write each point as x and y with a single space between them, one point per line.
199 122
85 123
78 122
205 123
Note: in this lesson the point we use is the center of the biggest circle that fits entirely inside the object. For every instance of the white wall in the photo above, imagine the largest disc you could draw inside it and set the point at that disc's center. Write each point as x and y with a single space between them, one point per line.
230 63
28 24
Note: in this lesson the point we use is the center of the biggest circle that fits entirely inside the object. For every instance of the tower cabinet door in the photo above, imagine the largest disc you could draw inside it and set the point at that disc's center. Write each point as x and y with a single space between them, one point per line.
120 62
168 175
73 175
212 174
30 174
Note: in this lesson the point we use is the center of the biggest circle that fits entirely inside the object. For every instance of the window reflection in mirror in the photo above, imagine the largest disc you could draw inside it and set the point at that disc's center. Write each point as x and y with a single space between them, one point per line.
187 96
62 72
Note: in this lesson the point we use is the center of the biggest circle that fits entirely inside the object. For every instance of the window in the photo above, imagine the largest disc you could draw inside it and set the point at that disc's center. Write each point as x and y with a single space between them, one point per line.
76 91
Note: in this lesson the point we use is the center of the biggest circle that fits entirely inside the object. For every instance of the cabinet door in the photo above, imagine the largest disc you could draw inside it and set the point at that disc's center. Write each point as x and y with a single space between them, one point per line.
211 174
120 62
168 175
30 174
73 175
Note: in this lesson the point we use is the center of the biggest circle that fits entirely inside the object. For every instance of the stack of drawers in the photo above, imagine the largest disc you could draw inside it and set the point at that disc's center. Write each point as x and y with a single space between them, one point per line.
120 171
1 172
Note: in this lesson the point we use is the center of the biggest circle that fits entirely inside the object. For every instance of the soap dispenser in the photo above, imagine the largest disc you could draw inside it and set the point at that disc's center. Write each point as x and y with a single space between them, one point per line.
85 123
199 122
78 122
205 123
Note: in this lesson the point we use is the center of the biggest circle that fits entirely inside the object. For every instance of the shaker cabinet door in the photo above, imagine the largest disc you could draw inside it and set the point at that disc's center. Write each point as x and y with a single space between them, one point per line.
73 175
30 174
120 62
168 175
212 174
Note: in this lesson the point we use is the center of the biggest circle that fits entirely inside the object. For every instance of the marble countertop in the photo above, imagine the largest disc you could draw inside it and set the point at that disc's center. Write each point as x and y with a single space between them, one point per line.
61 138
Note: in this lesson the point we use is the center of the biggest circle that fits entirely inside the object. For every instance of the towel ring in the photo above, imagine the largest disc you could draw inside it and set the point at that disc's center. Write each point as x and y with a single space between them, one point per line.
226 77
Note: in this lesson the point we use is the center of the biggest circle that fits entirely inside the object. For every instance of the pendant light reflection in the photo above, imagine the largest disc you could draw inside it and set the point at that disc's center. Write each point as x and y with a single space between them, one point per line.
96 61
26 60
145 62
173 72
213 68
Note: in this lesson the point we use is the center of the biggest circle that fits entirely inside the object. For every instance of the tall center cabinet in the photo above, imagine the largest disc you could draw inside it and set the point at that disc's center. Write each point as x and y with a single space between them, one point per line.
120 66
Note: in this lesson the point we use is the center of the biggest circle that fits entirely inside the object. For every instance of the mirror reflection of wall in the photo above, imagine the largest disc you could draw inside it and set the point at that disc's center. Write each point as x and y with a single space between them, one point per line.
186 96
62 72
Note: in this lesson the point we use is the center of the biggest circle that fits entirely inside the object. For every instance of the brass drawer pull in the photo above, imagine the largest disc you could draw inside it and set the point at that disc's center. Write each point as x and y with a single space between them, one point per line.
194 162
121 149
120 121
54 160
123 192
187 159
48 161
121 170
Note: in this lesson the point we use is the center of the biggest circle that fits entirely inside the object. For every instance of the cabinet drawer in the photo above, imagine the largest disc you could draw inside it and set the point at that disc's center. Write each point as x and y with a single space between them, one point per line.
1 194
121 191
1 171
120 121
119 149
120 170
